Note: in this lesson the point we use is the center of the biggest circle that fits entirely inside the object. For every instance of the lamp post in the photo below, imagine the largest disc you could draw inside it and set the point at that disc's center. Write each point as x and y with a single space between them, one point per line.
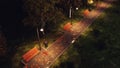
90 2
77 8
70 10
42 30
38 38
70 14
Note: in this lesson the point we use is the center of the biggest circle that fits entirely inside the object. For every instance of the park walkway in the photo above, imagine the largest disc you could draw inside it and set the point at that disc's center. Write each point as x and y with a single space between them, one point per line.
46 57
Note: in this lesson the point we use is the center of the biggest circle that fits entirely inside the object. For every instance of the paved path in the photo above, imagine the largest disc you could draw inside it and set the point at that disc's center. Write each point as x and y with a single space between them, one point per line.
46 57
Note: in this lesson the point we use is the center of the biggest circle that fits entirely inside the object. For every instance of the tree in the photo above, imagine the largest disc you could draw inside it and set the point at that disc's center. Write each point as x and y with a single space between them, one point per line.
40 12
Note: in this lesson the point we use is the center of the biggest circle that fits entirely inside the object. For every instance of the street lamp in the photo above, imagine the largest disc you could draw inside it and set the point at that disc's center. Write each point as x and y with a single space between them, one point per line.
70 14
38 38
76 8
42 30
90 2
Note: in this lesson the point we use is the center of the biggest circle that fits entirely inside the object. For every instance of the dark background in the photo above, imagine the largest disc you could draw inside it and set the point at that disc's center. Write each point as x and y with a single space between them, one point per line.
11 15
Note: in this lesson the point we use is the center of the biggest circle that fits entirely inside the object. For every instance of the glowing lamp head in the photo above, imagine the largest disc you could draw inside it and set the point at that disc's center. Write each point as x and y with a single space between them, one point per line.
90 1
41 29
76 8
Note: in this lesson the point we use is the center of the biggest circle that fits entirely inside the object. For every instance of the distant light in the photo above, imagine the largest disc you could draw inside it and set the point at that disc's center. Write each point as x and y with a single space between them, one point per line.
90 1
76 8
73 41
42 29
